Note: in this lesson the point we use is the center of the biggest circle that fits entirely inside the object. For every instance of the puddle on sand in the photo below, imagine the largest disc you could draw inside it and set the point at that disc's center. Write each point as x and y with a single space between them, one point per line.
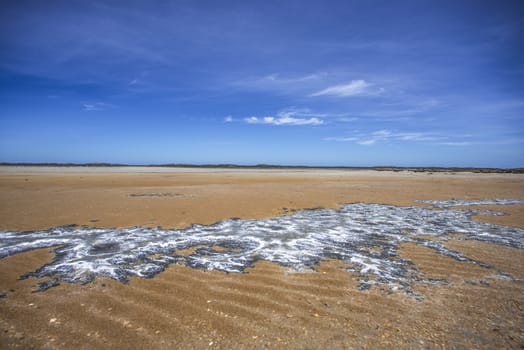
366 236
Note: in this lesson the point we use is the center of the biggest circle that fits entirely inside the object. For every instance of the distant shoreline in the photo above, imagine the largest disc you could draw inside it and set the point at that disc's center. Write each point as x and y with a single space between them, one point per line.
283 167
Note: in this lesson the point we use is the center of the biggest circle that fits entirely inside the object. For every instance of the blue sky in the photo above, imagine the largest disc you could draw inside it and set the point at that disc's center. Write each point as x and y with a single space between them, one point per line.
362 83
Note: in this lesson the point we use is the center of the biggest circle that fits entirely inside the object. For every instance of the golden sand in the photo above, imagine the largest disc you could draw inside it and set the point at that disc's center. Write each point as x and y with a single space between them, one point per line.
267 307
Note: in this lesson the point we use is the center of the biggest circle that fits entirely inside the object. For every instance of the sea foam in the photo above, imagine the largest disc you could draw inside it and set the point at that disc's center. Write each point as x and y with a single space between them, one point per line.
365 236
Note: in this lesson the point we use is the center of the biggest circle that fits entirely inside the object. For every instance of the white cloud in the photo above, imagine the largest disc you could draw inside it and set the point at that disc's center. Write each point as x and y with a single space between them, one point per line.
354 88
282 83
298 116
97 106
277 78
290 116
403 109
341 139
228 119
347 120
387 135
511 141
458 143
297 79
308 113
300 112
384 135
284 120
367 142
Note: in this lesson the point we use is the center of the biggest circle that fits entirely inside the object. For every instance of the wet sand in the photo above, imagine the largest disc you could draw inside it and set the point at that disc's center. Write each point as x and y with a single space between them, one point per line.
267 307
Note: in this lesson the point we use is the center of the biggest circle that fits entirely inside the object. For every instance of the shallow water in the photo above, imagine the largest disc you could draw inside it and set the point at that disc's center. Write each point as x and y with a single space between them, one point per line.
367 236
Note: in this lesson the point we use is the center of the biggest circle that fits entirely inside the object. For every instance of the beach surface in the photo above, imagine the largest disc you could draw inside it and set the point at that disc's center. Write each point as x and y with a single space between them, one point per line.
268 305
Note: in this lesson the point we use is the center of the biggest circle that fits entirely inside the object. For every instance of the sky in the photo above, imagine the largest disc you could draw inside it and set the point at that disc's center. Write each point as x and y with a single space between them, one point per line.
326 83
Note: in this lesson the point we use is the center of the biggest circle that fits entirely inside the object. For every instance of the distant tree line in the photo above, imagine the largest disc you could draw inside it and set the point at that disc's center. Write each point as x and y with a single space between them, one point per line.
272 166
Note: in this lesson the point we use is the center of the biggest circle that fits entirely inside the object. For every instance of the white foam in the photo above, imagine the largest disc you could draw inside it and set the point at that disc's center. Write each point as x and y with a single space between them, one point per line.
366 236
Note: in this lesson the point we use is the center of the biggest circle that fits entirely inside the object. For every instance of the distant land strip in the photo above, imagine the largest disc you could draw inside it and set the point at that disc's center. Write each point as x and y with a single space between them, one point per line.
272 166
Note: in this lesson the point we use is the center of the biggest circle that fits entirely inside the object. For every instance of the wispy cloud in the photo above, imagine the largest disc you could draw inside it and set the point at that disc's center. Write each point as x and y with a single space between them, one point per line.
278 78
300 112
387 135
283 121
97 106
367 142
347 119
282 83
354 88
511 141
403 109
228 119
308 113
341 139
457 143
290 116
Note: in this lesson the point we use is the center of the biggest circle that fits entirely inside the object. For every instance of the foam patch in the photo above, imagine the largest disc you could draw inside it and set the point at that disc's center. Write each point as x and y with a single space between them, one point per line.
366 236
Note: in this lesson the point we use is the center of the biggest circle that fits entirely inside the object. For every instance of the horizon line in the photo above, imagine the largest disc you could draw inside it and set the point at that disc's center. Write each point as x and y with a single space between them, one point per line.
271 166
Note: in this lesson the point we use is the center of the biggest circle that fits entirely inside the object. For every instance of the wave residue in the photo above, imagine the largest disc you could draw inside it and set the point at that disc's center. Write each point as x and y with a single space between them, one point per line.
366 236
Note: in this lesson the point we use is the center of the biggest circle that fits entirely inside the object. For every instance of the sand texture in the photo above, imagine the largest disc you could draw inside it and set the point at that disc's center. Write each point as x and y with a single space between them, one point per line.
267 306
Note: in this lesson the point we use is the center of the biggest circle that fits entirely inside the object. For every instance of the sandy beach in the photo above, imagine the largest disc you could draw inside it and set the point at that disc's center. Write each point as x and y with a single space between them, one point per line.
267 306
